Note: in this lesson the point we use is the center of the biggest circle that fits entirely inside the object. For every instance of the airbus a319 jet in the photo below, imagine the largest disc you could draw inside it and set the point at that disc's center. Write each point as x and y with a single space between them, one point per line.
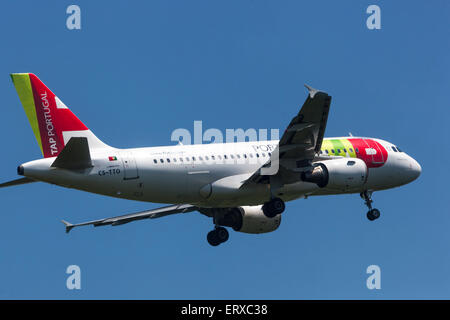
243 186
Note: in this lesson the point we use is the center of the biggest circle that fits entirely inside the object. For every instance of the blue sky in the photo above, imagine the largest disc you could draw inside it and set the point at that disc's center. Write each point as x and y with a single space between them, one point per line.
137 71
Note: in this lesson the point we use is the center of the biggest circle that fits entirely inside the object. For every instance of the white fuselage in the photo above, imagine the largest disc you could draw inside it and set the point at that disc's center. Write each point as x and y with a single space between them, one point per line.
208 175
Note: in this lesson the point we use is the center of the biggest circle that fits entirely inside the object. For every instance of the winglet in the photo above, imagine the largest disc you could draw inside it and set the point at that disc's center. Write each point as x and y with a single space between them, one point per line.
312 91
68 225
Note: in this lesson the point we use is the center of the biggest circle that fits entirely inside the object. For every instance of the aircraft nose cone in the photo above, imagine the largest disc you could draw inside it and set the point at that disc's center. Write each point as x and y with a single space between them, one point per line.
416 169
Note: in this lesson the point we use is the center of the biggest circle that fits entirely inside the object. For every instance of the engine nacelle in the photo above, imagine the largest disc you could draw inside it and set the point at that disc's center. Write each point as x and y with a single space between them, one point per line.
342 174
250 219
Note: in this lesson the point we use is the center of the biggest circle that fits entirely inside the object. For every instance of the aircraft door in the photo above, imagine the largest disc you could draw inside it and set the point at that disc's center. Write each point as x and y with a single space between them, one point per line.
129 166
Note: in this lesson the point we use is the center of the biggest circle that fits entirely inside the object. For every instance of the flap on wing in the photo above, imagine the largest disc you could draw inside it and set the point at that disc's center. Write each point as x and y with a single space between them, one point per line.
75 155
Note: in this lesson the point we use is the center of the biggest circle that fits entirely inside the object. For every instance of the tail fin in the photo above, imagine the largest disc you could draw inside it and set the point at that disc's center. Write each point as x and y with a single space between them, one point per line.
52 122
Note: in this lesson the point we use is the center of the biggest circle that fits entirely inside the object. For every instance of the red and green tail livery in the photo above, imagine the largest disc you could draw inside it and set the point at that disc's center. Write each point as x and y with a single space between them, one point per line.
49 117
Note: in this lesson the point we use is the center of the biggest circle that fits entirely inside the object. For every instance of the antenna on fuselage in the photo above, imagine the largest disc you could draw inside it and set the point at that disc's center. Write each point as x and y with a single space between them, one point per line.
350 134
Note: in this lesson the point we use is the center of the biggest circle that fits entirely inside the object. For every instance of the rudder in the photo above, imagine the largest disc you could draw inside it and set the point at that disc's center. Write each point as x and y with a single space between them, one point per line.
52 121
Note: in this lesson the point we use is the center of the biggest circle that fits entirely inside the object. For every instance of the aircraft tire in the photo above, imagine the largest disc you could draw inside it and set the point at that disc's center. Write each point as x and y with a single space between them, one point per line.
373 214
212 238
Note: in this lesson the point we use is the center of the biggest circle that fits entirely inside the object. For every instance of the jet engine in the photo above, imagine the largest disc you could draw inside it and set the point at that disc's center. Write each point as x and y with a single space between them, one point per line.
342 174
250 219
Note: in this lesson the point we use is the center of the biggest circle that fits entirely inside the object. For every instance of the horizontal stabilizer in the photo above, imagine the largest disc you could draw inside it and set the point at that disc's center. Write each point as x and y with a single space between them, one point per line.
16 182
75 155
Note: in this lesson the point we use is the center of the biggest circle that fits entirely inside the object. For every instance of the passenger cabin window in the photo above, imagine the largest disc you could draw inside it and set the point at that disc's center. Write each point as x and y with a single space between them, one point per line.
154 160
213 157
351 150
200 158
181 159
326 150
193 158
168 160
161 160
332 150
357 150
187 159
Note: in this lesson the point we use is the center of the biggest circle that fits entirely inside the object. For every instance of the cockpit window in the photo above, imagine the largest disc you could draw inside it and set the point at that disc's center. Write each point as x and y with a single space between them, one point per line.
399 149
393 148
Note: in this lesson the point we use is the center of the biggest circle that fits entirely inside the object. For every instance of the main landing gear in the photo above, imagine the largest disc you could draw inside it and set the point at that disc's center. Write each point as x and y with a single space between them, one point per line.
273 207
373 213
217 236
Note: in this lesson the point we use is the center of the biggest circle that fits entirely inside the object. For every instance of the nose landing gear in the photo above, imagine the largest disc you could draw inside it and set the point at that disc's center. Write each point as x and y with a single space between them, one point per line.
373 213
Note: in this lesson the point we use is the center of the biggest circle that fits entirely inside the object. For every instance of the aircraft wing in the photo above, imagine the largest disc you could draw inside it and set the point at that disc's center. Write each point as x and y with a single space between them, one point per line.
303 137
148 214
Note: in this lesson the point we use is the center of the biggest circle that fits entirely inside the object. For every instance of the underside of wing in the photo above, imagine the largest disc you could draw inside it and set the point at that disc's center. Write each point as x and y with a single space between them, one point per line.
303 137
148 214
301 141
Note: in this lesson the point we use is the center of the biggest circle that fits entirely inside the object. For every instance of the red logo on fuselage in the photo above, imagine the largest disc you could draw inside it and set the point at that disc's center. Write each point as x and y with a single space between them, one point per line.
370 151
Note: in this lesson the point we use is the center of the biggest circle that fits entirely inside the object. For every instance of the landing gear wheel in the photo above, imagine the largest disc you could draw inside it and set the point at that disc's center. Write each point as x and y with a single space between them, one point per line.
217 236
373 214
273 207
222 234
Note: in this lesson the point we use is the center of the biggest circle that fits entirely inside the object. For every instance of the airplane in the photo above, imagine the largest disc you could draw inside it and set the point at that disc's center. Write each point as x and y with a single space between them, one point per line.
241 185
